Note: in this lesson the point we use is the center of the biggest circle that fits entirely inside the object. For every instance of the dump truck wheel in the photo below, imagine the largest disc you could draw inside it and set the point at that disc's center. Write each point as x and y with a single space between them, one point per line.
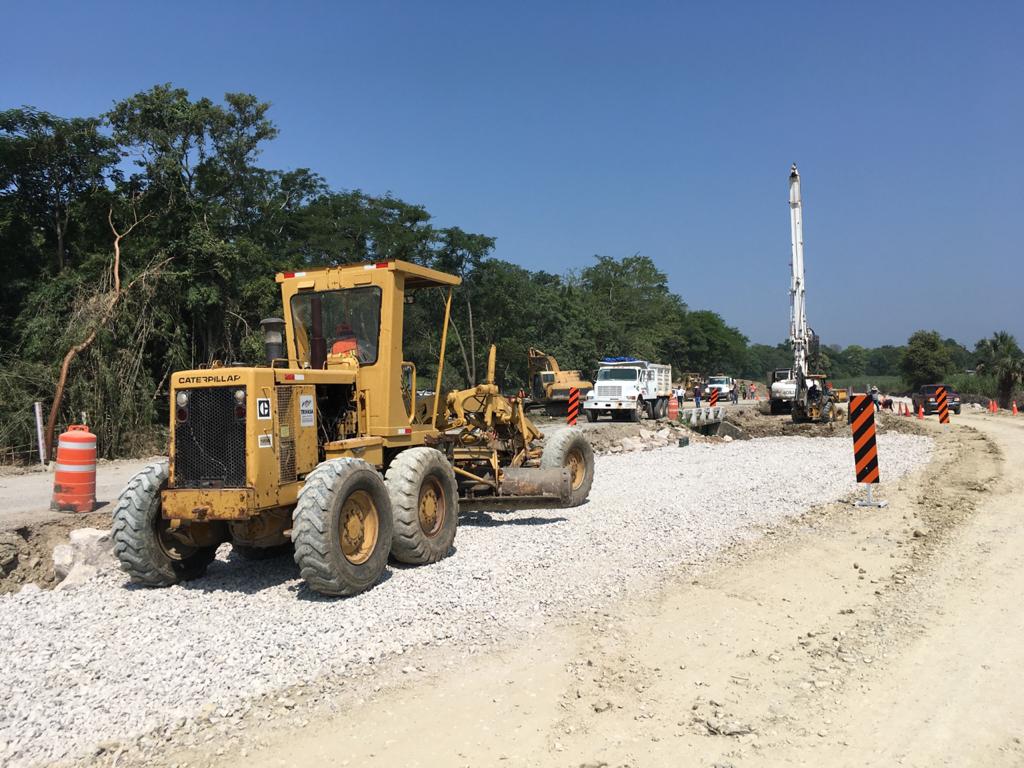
142 542
570 449
425 504
591 415
341 527
638 413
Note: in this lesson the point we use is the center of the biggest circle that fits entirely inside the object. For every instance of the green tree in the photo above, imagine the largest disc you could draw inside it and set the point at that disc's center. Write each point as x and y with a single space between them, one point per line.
926 360
629 309
50 164
884 361
1001 357
959 354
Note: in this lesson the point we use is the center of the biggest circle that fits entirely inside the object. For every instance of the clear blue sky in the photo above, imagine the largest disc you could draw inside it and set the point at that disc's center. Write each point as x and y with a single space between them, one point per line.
666 129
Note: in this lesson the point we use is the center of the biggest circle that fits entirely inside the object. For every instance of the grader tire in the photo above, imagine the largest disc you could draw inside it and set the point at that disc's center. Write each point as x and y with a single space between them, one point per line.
425 505
342 527
148 554
569 448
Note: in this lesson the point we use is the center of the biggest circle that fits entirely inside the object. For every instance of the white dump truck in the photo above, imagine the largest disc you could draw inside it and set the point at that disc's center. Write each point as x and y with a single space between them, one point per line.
629 389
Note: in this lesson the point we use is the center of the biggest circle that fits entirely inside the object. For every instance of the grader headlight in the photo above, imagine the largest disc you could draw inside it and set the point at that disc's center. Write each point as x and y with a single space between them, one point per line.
181 413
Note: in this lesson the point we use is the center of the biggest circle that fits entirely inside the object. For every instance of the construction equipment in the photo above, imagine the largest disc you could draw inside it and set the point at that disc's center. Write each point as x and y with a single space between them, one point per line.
630 388
330 449
781 390
810 398
550 385
722 383
688 381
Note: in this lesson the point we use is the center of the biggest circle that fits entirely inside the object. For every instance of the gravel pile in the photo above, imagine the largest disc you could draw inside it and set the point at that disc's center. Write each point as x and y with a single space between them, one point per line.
108 661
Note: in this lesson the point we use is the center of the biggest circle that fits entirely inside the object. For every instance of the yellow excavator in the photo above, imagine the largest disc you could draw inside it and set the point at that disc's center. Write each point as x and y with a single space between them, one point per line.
550 385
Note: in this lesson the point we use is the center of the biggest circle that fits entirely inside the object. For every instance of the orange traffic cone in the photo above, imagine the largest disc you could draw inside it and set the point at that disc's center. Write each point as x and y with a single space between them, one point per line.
1014 407
920 411
906 410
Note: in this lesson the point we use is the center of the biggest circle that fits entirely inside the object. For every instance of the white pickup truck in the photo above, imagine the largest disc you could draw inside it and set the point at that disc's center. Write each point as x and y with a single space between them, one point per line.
629 389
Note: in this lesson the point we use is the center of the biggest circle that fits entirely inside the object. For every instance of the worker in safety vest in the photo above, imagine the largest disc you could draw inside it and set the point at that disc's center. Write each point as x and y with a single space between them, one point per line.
344 340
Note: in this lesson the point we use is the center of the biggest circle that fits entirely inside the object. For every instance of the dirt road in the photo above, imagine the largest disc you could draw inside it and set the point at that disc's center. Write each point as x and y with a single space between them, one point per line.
854 637
26 494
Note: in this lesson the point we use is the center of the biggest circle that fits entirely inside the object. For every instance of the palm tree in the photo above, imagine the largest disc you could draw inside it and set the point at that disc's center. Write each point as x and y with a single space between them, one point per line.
1002 358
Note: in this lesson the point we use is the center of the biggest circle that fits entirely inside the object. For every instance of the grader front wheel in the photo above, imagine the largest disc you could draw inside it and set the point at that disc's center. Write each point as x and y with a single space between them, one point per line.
425 502
342 527
143 543
570 449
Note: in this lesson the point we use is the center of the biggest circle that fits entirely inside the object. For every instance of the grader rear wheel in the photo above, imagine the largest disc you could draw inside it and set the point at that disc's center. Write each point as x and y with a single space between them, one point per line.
342 527
425 501
570 449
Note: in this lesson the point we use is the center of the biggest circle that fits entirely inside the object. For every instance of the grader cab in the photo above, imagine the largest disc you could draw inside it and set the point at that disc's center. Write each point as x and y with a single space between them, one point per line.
329 448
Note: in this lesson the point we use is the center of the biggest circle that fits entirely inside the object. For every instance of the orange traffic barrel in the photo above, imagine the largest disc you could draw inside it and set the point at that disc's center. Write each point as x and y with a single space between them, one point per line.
74 479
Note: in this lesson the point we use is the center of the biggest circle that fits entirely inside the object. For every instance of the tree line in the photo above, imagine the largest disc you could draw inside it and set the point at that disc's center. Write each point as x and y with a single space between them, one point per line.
145 240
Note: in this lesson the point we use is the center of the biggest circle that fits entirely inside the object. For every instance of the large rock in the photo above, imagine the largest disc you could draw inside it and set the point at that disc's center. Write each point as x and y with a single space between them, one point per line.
63 560
728 429
79 574
10 547
632 444
89 551
92 545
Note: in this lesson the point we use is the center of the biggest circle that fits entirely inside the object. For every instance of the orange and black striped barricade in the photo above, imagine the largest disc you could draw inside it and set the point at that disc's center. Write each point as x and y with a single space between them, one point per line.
673 407
865 449
573 412
713 398
942 401
74 478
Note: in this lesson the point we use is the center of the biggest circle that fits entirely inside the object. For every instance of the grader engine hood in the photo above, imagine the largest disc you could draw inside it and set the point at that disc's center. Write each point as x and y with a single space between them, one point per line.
241 441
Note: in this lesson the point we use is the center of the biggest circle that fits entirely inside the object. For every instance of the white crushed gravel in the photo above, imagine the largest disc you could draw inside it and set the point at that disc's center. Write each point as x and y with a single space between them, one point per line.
108 661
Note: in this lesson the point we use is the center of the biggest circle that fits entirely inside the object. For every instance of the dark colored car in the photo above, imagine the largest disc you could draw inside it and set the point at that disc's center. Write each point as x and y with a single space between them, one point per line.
925 398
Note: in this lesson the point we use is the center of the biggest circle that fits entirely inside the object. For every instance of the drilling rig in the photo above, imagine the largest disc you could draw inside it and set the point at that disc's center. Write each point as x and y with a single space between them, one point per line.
809 397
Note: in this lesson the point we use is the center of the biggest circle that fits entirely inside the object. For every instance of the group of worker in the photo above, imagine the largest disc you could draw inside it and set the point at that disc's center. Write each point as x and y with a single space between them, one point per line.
744 391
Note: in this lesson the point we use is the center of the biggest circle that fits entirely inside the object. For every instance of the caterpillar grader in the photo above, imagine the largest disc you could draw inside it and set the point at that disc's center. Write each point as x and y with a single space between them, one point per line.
330 450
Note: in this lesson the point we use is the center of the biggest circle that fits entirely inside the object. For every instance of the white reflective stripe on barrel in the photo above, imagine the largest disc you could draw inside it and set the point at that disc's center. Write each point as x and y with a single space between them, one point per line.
76 446
76 468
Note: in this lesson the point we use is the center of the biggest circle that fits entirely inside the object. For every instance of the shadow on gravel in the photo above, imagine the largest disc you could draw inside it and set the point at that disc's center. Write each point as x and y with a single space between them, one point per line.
484 519
241 576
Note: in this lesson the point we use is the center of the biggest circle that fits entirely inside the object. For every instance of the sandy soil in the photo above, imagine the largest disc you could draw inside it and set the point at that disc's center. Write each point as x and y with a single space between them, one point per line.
855 637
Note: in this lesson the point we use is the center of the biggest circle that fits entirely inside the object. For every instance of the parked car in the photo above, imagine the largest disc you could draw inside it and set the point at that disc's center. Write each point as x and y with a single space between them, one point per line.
925 398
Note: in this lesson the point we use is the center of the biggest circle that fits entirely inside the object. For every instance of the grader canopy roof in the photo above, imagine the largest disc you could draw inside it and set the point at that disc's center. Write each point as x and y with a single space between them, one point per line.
415 276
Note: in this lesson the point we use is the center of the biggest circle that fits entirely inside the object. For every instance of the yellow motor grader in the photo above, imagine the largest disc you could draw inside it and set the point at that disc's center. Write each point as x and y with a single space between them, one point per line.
330 449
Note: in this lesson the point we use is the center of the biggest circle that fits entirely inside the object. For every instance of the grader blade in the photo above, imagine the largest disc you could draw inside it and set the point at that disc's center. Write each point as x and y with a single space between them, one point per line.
554 484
